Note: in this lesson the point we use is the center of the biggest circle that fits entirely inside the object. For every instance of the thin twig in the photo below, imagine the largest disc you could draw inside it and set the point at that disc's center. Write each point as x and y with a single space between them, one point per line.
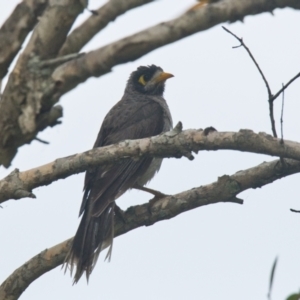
253 59
281 118
93 12
271 110
281 128
270 95
41 141
272 277
295 211
285 87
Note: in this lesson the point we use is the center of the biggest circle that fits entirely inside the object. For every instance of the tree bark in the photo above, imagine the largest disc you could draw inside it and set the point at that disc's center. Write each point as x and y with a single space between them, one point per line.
16 28
18 185
35 85
225 189
25 108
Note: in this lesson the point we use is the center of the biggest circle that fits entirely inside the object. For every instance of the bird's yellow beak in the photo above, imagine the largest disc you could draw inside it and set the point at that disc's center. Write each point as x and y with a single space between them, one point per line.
163 76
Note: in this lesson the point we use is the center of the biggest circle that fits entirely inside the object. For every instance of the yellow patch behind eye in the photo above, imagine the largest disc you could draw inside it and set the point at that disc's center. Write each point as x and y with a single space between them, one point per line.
142 80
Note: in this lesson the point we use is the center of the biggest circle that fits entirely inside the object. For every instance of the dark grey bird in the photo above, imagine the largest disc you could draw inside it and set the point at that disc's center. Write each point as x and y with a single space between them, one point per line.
142 112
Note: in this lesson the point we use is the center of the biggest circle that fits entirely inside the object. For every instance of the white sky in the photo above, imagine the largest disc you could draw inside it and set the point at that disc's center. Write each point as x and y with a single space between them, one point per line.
221 251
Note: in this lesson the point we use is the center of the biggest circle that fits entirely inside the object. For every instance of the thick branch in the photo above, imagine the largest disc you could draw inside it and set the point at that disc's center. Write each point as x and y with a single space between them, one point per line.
15 29
53 28
15 285
101 61
32 90
99 20
224 190
26 97
20 184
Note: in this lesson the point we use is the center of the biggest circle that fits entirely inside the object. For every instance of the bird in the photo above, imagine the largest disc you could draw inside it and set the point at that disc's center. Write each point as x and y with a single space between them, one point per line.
142 112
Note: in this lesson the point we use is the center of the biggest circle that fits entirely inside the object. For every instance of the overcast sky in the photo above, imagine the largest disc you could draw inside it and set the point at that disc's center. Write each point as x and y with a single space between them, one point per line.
221 251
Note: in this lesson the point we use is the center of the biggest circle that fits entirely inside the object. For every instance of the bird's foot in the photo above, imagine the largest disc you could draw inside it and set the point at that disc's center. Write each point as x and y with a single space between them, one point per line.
157 195
156 198
120 214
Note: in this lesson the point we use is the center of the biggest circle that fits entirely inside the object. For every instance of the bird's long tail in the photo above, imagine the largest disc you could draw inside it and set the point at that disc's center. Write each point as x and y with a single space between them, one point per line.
94 234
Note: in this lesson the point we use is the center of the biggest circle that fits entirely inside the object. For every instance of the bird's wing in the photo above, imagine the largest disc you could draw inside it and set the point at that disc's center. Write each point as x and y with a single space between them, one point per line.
125 121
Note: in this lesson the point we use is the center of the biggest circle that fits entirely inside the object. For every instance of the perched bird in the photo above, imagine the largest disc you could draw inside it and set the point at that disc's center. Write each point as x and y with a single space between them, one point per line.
142 112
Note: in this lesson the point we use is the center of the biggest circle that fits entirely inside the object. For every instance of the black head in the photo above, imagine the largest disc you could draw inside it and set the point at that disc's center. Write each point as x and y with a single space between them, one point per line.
148 80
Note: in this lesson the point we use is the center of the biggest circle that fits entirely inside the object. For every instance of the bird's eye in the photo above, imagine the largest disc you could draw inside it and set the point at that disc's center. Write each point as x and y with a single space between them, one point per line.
142 80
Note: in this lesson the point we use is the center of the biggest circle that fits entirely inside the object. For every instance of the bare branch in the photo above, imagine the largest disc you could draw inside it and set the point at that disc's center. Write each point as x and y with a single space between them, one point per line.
284 87
224 190
101 61
272 275
41 141
281 117
26 97
253 59
13 287
31 92
273 126
46 39
15 29
102 17
270 95
20 184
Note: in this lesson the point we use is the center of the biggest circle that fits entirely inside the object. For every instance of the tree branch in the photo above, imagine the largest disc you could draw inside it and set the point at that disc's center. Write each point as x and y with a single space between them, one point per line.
242 44
224 190
18 185
80 36
101 61
271 97
26 97
13 287
32 90
15 29
285 86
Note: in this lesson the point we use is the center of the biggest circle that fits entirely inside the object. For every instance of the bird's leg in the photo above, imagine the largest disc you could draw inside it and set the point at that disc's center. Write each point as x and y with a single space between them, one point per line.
157 194
120 213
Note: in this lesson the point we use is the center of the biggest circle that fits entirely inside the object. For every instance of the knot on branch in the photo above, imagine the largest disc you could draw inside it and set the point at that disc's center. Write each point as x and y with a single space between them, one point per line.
209 130
231 187
12 182
175 131
178 129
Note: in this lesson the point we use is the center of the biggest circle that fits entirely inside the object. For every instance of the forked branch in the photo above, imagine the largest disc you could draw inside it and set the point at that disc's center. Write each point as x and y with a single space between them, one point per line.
271 97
